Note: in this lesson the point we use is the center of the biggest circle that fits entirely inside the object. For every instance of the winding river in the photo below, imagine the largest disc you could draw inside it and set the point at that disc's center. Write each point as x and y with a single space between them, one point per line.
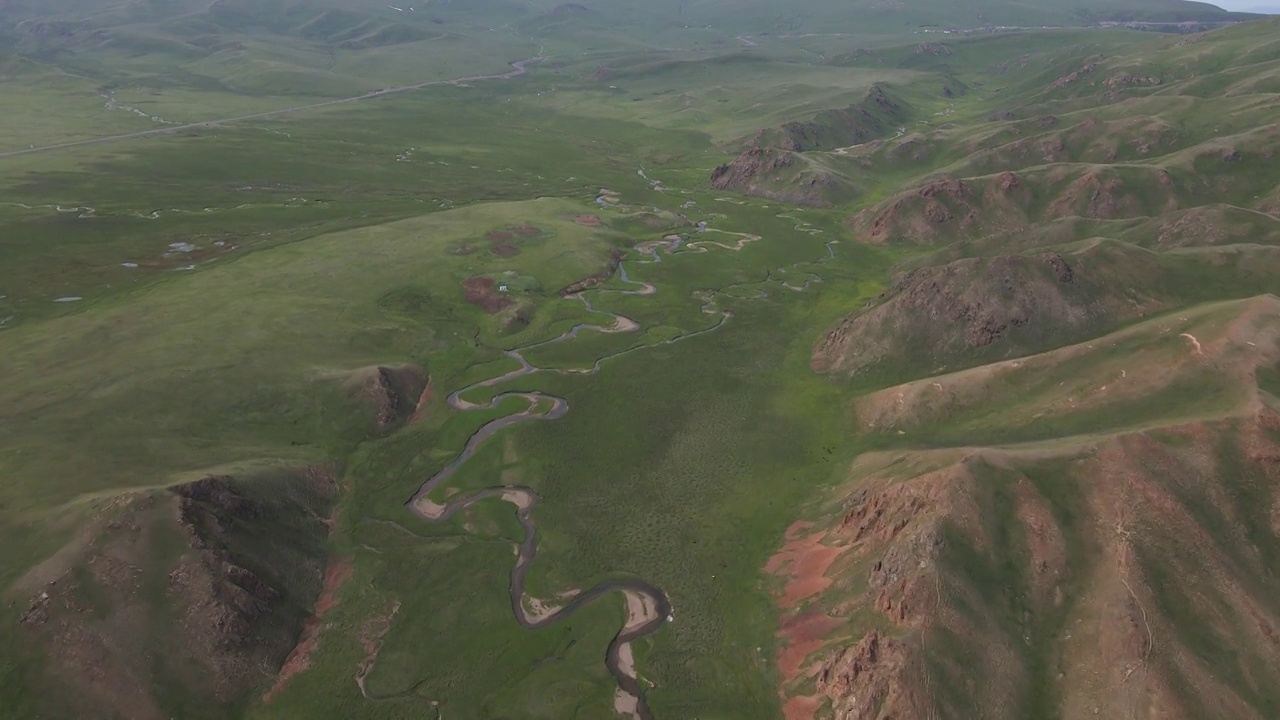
647 606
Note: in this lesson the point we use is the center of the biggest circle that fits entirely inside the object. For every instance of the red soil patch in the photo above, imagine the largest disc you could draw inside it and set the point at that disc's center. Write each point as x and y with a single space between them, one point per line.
371 636
801 708
804 560
499 236
588 220
335 576
796 528
527 231
804 635
777 561
480 291
505 250
420 410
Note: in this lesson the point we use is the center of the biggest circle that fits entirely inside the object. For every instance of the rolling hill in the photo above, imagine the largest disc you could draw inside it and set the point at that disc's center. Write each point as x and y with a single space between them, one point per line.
1070 510
734 360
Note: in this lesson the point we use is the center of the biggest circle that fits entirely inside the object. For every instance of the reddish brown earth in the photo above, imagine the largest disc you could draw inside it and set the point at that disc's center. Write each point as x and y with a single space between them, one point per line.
804 634
371 636
424 403
804 562
336 575
527 230
992 307
588 220
499 236
482 291
1131 558
801 707
505 251
224 616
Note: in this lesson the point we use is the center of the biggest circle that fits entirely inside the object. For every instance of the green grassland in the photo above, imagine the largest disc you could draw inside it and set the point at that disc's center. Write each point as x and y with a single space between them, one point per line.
230 279
241 361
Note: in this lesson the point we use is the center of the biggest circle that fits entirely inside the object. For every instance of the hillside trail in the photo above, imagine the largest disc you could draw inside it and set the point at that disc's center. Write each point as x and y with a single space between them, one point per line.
647 606
518 68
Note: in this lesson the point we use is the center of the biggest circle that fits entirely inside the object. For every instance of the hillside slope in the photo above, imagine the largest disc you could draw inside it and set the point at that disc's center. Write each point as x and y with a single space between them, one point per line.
1073 508
1037 579
178 602
1120 194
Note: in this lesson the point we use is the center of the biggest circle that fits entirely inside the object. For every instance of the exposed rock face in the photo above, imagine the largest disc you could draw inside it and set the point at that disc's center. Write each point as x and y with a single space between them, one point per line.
941 210
1074 76
750 165
775 174
392 390
986 308
124 615
958 570
770 166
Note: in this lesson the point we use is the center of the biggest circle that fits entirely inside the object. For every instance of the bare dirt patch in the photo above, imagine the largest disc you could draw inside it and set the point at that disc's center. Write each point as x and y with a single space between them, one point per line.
424 401
371 636
804 561
803 634
481 291
641 610
801 708
505 251
335 576
527 230
624 703
499 236
588 220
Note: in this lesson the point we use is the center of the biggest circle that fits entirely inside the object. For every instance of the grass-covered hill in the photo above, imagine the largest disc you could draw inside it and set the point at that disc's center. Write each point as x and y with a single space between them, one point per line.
1073 510
1140 162
1090 530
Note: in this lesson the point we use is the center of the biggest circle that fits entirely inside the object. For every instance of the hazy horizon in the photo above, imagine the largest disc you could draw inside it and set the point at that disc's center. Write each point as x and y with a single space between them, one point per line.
1245 5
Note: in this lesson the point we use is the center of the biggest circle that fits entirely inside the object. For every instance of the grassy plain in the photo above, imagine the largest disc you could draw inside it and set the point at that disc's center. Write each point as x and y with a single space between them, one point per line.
228 279
239 360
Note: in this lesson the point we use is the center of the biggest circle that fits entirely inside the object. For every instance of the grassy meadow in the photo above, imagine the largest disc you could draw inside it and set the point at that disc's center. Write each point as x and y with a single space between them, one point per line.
198 302
308 266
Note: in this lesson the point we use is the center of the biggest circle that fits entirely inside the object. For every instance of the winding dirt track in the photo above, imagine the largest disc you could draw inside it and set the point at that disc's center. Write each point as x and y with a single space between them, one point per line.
519 67
647 606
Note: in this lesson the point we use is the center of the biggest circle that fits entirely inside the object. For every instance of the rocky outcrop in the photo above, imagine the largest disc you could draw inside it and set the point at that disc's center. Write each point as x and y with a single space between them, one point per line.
127 610
393 391
987 308
749 166
770 165
1063 575
875 115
